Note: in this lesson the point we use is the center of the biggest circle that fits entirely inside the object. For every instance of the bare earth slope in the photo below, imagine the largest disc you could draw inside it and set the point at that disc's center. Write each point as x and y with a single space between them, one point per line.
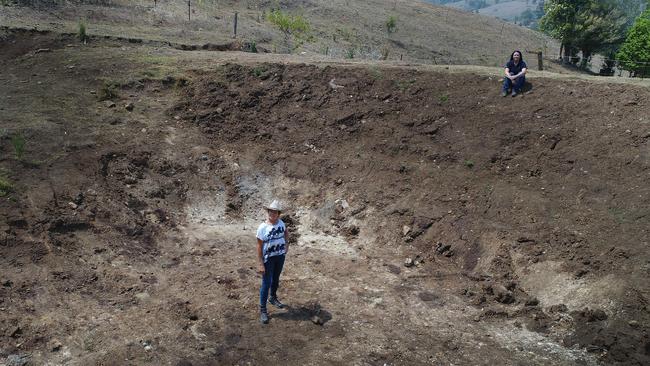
127 235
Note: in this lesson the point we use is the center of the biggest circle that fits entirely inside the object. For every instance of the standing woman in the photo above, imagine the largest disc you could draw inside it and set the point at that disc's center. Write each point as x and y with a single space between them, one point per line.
272 247
515 74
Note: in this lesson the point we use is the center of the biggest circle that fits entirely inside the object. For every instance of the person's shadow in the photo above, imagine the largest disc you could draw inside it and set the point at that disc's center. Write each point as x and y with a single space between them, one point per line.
306 312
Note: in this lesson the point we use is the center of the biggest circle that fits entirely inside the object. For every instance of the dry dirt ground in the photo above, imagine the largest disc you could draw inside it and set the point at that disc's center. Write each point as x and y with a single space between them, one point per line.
127 236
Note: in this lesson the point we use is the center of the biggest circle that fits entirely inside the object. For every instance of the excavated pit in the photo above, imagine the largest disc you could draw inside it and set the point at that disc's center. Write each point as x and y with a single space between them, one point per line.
523 221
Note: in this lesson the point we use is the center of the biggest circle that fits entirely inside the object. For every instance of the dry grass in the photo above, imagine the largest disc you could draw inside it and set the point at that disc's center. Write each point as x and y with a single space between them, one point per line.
424 33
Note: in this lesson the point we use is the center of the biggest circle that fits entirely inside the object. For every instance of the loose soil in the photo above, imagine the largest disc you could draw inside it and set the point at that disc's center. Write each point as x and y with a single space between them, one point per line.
128 236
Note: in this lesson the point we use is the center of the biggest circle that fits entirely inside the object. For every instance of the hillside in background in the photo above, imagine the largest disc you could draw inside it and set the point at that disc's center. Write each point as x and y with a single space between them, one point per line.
525 12
339 28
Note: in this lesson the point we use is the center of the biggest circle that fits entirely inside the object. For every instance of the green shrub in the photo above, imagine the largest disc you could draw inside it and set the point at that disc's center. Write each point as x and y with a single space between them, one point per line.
108 91
82 31
391 24
5 187
258 71
18 142
443 98
349 53
469 164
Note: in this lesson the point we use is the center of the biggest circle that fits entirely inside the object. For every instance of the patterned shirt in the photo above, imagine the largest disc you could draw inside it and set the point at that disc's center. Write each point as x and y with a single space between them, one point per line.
273 238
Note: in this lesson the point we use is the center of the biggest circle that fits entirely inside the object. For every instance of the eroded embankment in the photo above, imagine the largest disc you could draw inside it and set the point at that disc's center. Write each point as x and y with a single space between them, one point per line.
540 200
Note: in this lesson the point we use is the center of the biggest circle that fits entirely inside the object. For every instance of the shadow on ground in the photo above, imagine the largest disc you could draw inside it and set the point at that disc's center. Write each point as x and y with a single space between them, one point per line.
307 312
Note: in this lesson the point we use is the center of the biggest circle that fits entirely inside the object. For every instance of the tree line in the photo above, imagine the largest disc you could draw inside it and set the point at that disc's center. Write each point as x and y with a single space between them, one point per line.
609 27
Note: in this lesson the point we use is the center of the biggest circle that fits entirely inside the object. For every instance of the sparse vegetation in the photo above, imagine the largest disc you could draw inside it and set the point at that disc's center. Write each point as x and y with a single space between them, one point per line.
5 187
443 98
385 52
349 53
108 91
345 33
376 73
18 142
469 164
258 71
82 31
391 24
405 84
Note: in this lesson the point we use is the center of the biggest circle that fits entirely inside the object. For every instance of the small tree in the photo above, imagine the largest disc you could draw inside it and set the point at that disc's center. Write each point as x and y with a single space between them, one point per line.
634 54
293 26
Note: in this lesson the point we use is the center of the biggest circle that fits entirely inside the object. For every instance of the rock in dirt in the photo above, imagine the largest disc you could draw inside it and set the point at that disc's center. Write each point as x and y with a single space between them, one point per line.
406 230
442 248
420 225
502 294
558 308
592 315
109 104
17 360
532 301
335 86
129 107
54 345
317 320
15 332
409 262
79 198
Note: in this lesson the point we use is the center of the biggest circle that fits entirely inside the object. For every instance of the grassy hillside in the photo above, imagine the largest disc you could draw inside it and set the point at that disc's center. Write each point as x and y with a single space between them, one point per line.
338 28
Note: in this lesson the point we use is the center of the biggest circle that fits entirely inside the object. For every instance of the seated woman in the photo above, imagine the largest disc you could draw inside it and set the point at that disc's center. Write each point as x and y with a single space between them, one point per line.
515 74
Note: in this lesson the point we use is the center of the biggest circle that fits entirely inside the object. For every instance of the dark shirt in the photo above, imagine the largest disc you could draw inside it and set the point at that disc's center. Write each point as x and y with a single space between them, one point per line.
515 69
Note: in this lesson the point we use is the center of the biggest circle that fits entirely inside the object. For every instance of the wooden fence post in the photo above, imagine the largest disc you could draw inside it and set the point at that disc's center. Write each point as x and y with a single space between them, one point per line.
189 9
235 27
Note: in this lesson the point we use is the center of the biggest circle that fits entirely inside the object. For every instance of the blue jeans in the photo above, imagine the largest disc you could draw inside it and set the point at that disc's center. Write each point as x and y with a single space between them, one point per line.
518 84
271 279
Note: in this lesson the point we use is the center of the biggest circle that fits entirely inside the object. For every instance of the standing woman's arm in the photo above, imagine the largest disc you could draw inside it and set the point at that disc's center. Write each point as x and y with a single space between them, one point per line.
260 256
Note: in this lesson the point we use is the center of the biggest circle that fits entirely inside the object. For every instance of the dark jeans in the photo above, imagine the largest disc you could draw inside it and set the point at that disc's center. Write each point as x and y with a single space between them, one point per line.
271 278
518 84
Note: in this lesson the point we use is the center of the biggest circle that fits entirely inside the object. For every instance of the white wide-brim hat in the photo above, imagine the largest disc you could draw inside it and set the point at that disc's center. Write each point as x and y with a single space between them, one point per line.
275 206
